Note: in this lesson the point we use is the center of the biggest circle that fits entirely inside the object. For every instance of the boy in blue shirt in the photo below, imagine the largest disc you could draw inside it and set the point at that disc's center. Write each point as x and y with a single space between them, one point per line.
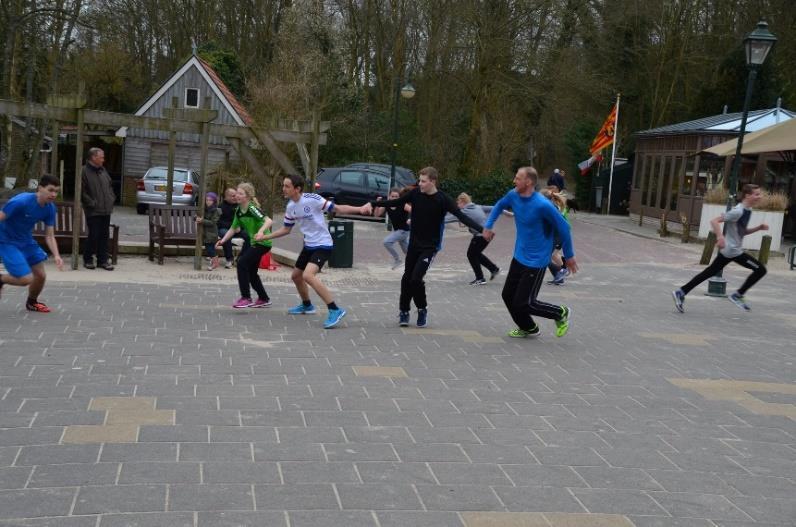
21 255
537 221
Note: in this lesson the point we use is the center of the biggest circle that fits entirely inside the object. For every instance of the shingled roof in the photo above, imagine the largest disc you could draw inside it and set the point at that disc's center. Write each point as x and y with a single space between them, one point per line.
726 123
225 95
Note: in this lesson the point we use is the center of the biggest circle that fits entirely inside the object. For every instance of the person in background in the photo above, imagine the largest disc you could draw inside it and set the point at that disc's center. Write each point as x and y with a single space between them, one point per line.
227 208
210 229
97 199
475 252
250 218
399 218
557 264
731 249
557 180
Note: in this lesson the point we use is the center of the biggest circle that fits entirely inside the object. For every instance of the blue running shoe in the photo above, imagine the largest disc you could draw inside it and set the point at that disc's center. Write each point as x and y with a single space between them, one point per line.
335 316
422 318
301 309
403 318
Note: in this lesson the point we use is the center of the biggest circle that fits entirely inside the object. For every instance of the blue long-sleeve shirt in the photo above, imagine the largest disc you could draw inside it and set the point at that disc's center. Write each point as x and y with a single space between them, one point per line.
537 221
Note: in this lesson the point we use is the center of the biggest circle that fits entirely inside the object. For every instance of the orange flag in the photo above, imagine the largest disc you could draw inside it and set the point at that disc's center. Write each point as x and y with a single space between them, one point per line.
606 134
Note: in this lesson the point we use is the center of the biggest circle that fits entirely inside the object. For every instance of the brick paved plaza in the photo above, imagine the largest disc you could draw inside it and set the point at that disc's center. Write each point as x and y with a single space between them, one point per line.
144 400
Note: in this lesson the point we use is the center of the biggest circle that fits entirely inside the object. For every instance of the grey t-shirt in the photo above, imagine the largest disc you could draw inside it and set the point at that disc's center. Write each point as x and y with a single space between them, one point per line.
737 220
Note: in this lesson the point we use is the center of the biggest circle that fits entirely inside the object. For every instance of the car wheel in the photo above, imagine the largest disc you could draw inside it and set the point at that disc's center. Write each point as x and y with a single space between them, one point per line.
141 209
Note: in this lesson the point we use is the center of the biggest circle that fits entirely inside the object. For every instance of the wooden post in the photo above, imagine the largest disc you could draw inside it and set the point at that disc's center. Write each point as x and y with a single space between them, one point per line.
707 252
76 219
204 146
765 249
664 230
54 155
686 233
172 152
55 130
316 132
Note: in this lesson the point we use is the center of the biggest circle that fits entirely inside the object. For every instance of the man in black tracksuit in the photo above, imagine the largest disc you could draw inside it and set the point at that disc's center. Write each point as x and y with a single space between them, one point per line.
427 222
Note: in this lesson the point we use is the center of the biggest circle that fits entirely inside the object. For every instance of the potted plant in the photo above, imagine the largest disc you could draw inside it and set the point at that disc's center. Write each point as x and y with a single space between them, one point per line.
714 202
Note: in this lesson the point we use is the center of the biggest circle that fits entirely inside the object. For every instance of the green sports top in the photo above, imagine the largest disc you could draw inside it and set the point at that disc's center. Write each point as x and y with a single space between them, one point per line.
251 220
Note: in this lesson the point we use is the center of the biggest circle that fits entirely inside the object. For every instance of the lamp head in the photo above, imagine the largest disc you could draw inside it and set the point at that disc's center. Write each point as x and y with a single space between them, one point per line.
408 91
758 43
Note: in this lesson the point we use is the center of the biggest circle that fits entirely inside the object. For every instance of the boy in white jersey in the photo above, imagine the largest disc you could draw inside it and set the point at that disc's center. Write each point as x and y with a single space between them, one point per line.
307 210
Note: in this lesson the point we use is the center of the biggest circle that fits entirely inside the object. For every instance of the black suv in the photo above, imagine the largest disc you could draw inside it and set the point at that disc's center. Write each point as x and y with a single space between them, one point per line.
359 183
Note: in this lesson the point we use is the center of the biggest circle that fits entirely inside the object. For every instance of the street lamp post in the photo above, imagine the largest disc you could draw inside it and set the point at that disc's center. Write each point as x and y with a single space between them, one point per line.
407 92
757 44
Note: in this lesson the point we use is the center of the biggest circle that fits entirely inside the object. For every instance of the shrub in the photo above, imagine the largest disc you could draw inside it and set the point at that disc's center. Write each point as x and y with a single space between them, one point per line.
772 201
717 195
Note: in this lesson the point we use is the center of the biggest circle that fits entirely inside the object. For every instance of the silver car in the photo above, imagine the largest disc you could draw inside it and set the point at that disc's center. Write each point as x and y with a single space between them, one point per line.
151 189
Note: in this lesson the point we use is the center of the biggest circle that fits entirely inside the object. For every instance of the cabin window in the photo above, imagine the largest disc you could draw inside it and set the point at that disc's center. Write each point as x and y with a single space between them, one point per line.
192 98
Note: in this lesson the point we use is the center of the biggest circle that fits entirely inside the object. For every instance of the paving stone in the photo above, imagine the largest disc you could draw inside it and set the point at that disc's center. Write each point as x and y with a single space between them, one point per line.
438 434
313 472
377 434
331 519
359 452
617 478
160 472
297 435
8 455
288 452
241 519
74 475
537 499
14 477
378 496
469 474
210 497
30 436
500 454
138 452
242 434
296 497
55 454
438 452
690 481
152 519
403 472
121 498
215 452
237 472
458 498
543 475
610 501
658 521
694 505
60 521
172 433
251 418
418 519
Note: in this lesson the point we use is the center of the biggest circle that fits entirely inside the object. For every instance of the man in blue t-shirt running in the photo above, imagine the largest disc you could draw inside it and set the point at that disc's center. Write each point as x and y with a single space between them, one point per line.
537 221
21 255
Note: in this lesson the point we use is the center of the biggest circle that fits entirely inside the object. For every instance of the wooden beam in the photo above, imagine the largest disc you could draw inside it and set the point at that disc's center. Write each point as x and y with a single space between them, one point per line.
268 142
119 120
77 210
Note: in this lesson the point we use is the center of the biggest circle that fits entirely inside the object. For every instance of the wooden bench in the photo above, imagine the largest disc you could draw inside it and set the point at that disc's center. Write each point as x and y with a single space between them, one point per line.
170 226
63 228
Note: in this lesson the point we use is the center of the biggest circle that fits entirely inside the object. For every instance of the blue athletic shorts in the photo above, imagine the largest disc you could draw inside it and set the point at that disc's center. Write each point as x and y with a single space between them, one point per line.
18 259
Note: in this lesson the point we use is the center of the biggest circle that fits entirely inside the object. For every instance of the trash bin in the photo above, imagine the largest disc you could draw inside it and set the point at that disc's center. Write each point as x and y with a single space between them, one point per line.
342 232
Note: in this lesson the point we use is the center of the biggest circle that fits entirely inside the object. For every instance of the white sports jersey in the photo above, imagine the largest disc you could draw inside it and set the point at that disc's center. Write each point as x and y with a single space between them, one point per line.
307 212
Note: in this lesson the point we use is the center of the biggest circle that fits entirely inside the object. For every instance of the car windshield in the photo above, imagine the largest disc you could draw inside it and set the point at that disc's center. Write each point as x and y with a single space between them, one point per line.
161 173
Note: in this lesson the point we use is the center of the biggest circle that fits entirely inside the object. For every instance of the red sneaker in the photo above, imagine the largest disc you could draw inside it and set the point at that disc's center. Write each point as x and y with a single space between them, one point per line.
37 306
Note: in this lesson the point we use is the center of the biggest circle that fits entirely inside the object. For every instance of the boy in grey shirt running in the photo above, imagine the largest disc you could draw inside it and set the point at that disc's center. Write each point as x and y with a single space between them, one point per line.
731 249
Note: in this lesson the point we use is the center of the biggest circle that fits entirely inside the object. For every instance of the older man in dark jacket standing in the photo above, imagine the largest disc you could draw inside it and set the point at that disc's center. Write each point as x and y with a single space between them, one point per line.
97 199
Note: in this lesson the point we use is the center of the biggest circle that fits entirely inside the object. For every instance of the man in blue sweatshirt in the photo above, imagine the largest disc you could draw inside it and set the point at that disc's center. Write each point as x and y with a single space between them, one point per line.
537 221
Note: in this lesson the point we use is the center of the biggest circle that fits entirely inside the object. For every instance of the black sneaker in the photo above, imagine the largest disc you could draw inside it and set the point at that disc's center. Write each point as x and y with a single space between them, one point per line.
422 318
403 318
493 274
89 265
679 298
478 281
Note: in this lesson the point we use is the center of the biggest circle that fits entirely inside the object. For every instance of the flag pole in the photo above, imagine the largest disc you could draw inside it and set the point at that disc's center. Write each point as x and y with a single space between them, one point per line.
613 155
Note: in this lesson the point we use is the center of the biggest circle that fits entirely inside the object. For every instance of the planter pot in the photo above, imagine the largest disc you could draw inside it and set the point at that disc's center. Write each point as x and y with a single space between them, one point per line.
751 241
